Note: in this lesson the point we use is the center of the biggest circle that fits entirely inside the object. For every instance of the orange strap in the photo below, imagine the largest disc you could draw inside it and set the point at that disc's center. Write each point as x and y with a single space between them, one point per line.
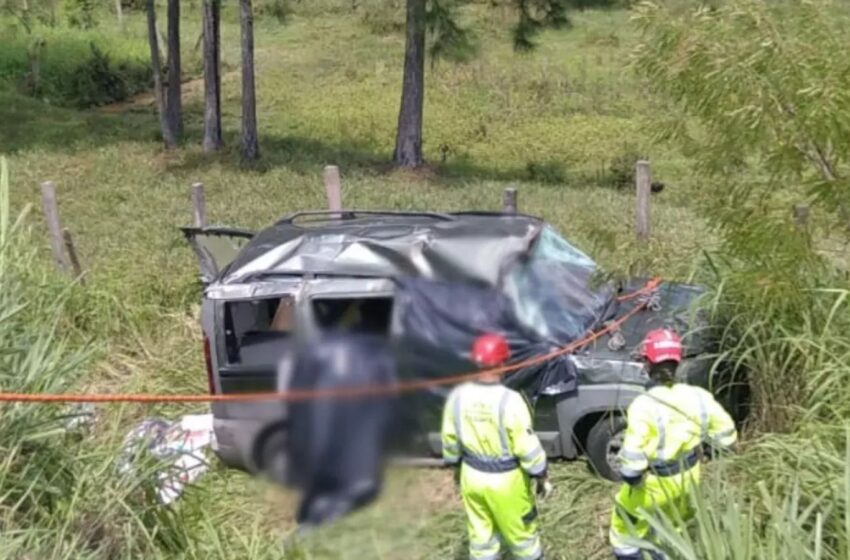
343 392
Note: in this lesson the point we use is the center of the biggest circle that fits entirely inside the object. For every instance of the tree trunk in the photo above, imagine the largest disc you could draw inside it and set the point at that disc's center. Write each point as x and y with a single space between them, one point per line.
174 105
167 132
212 77
250 142
161 42
119 11
408 142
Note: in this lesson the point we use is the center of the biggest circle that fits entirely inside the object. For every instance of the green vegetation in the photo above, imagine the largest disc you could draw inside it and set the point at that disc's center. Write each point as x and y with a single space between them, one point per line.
770 121
560 121
73 68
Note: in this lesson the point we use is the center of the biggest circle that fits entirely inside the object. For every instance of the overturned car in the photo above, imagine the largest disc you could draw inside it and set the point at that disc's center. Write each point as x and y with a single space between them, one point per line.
430 283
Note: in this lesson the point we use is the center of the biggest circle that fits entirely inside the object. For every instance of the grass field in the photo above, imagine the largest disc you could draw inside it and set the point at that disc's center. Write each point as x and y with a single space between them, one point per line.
553 121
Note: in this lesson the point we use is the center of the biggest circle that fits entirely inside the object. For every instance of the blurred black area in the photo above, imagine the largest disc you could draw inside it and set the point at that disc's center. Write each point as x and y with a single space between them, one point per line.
335 447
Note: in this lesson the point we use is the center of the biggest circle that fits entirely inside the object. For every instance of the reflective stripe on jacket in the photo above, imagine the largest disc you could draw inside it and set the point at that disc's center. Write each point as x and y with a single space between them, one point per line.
667 423
489 427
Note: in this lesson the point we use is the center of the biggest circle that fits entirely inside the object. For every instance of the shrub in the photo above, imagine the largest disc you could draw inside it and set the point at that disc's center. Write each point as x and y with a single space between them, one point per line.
755 78
546 171
98 81
138 5
75 69
621 170
81 13
278 9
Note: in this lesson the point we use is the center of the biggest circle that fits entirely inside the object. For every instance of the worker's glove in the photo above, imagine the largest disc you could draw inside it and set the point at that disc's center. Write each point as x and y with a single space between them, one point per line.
544 488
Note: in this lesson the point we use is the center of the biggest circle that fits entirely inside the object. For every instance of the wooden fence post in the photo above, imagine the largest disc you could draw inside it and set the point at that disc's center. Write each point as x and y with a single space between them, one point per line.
801 216
509 202
643 186
199 209
72 255
333 188
51 215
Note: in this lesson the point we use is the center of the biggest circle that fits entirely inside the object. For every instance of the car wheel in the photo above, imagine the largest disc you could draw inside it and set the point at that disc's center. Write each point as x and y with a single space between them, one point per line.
603 445
735 397
270 456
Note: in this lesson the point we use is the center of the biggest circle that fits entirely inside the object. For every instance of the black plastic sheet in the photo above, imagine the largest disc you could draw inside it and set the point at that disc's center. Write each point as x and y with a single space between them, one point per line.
336 446
437 322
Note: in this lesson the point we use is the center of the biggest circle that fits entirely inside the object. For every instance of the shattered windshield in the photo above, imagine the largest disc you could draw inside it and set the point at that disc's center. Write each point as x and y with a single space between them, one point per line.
554 292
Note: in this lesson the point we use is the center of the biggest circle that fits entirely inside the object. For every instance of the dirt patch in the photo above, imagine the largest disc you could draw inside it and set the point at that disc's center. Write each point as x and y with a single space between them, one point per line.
424 173
426 490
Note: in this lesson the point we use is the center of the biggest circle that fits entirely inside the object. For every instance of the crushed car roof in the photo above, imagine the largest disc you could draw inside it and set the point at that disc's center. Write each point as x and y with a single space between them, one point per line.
549 281
450 247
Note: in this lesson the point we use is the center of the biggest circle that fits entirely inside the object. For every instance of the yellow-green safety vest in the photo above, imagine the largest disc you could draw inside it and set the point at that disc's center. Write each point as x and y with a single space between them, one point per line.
488 427
668 423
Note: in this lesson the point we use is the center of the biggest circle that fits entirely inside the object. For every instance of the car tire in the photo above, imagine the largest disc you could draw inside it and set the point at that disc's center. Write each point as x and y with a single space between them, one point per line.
269 459
740 403
603 443
735 396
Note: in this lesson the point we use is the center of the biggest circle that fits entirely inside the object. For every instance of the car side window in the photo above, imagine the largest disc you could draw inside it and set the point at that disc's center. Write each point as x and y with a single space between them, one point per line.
250 326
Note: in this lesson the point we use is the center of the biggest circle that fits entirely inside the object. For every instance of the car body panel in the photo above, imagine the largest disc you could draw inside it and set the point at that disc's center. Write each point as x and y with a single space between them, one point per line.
603 399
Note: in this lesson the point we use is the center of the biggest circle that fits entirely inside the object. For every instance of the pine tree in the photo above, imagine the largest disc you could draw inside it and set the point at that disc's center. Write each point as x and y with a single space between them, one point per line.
250 141
449 40
168 134
408 141
212 75
174 101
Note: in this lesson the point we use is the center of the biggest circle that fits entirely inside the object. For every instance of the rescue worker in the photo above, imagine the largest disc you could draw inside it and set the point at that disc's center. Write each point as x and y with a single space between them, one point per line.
487 430
667 428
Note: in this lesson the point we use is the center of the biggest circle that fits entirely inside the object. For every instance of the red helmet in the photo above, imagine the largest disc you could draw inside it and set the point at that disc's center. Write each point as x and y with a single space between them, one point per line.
490 350
661 345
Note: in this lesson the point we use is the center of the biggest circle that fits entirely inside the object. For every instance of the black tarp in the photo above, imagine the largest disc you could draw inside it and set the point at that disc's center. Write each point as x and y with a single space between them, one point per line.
336 446
436 323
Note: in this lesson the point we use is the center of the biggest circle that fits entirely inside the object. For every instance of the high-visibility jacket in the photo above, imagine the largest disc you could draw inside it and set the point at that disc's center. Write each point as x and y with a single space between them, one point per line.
488 427
668 423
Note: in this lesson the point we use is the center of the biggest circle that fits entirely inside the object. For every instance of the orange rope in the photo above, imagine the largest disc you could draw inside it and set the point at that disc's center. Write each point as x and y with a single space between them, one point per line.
342 392
646 289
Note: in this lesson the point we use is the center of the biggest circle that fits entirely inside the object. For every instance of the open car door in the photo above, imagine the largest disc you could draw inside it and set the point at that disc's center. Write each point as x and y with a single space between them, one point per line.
216 247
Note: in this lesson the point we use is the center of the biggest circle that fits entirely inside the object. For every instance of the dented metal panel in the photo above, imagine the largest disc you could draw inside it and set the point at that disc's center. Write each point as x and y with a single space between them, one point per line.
467 248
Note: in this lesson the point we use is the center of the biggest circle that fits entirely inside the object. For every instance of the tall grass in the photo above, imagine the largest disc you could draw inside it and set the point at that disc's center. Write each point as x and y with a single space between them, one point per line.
786 496
35 357
789 501
59 496
794 355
